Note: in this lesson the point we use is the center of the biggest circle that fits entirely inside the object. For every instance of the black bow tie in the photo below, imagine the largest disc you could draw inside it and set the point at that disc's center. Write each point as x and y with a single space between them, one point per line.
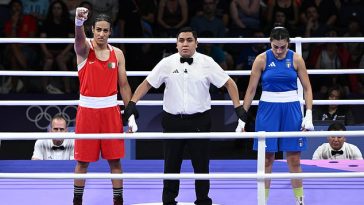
333 152
58 147
188 60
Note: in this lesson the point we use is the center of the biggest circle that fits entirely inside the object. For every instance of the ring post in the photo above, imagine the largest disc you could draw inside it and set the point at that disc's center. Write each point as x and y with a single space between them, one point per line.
261 170
298 46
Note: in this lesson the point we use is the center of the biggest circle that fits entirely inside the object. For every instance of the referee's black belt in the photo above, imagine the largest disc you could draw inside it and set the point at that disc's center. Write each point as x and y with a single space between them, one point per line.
187 116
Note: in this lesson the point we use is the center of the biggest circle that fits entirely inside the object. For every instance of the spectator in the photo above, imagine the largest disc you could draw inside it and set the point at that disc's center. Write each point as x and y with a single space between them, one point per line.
55 149
288 7
349 9
172 15
361 64
72 5
361 76
108 7
208 21
312 27
249 52
245 16
337 148
335 112
246 59
221 10
326 8
280 19
212 24
36 8
148 11
57 25
216 53
356 49
20 56
5 81
212 50
132 25
4 16
331 56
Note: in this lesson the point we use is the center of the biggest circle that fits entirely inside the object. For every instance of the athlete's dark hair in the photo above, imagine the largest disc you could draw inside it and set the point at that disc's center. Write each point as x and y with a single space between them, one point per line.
102 17
279 33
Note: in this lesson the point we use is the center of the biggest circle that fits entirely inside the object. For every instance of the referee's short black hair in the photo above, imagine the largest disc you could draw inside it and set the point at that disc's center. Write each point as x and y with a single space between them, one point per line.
187 29
279 33
337 126
102 17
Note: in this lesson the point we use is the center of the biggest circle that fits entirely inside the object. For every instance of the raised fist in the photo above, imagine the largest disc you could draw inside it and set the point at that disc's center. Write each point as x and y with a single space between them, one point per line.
81 16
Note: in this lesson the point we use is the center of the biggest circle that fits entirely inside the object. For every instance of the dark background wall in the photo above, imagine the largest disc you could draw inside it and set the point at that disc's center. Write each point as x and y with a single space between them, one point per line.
29 119
36 119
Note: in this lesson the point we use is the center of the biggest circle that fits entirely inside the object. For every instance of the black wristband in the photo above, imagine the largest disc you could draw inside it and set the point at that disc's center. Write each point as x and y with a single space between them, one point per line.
130 109
241 113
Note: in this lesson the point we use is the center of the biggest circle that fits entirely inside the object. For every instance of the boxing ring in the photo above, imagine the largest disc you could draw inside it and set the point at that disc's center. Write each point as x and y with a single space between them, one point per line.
223 191
233 182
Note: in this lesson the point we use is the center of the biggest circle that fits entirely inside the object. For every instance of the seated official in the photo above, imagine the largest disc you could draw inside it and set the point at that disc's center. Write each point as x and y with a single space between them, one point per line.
335 112
55 149
337 148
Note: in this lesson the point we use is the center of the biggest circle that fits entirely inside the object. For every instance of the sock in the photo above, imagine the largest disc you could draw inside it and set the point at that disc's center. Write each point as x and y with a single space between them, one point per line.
266 194
78 191
298 192
118 192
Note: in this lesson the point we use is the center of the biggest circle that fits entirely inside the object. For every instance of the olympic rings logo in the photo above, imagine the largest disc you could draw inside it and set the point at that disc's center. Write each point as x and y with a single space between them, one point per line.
42 117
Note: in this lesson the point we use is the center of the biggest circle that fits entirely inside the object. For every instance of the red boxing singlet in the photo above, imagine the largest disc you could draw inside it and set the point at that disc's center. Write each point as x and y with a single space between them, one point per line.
98 78
98 111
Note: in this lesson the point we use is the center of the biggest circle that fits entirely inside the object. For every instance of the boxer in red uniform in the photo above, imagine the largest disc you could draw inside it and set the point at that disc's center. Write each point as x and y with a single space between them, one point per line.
101 68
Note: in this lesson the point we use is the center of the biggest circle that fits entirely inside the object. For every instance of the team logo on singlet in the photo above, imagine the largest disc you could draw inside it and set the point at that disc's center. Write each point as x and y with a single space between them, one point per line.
288 63
300 142
111 65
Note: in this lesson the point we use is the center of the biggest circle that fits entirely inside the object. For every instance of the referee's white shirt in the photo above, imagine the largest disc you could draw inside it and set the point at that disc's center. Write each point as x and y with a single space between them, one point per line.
43 150
187 86
350 151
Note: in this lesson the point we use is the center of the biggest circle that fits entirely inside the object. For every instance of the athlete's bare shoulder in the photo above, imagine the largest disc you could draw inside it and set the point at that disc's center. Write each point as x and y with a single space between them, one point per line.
117 50
261 58
119 53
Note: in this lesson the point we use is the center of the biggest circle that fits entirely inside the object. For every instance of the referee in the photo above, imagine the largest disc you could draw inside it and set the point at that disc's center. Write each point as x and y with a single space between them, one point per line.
186 108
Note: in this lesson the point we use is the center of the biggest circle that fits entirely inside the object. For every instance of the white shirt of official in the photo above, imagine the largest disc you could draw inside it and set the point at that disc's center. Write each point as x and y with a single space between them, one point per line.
43 150
350 151
187 86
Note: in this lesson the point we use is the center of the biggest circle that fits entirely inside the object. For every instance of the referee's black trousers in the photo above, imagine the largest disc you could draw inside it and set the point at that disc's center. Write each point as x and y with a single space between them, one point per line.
198 149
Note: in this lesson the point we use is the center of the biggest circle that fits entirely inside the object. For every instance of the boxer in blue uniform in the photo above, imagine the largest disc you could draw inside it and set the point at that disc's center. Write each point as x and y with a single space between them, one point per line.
279 107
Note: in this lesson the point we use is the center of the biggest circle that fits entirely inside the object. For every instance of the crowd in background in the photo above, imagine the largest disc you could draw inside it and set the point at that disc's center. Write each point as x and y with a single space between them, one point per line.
163 18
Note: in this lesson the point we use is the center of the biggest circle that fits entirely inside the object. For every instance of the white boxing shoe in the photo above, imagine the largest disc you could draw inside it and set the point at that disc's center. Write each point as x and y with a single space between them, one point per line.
299 201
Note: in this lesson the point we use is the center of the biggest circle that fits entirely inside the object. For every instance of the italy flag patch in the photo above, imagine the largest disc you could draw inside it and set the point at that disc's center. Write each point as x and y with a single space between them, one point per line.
111 65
